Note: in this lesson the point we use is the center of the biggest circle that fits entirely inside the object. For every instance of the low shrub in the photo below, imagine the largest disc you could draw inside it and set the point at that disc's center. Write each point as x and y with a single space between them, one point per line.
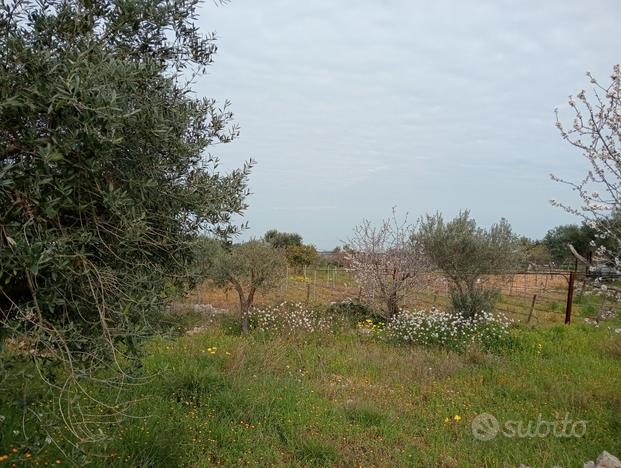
470 302
353 310
452 331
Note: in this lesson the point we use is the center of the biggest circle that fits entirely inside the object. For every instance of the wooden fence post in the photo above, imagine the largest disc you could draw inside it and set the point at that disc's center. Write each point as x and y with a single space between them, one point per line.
570 297
315 285
532 308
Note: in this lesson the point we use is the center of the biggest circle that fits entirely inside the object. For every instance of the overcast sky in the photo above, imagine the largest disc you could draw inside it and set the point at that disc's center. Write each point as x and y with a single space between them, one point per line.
353 107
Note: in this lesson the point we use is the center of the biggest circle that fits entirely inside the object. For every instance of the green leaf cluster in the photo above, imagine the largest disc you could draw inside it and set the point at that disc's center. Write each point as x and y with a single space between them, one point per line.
106 180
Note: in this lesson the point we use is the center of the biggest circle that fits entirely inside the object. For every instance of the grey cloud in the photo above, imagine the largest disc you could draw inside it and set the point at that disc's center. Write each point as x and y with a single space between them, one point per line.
351 107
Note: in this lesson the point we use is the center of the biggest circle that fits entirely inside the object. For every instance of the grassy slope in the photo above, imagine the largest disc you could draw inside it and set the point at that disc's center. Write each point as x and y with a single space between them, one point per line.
349 400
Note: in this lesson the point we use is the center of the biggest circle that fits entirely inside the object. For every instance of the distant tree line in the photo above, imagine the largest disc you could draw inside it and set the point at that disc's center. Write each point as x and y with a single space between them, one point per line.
290 243
553 248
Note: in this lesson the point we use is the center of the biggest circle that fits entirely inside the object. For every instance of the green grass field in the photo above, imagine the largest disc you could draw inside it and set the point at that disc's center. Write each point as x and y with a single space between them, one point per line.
344 399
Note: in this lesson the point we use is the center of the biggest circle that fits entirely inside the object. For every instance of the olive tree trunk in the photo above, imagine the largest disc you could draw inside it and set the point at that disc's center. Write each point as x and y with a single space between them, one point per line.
245 303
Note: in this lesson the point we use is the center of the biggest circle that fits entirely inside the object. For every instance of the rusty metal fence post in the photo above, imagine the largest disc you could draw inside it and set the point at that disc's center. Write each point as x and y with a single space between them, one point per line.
570 297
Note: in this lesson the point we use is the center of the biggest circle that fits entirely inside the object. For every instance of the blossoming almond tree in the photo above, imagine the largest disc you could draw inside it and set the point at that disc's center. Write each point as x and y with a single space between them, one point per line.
387 260
596 132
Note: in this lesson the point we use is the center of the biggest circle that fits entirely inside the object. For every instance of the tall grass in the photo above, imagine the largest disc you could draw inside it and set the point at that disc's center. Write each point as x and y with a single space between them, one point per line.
339 399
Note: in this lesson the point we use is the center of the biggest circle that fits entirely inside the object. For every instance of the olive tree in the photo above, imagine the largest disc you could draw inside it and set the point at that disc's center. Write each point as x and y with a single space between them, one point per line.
282 240
387 260
248 267
465 253
105 176
596 132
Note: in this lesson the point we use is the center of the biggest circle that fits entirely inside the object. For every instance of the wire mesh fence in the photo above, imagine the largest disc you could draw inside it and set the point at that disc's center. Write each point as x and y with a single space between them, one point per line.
531 296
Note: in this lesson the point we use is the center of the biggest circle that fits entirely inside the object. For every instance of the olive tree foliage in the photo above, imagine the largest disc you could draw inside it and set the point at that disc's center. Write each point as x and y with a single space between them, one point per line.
248 267
465 253
105 179
387 261
596 132
282 240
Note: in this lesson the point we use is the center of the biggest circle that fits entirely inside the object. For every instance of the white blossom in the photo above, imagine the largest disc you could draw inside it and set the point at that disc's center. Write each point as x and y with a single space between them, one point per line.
596 132
388 262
